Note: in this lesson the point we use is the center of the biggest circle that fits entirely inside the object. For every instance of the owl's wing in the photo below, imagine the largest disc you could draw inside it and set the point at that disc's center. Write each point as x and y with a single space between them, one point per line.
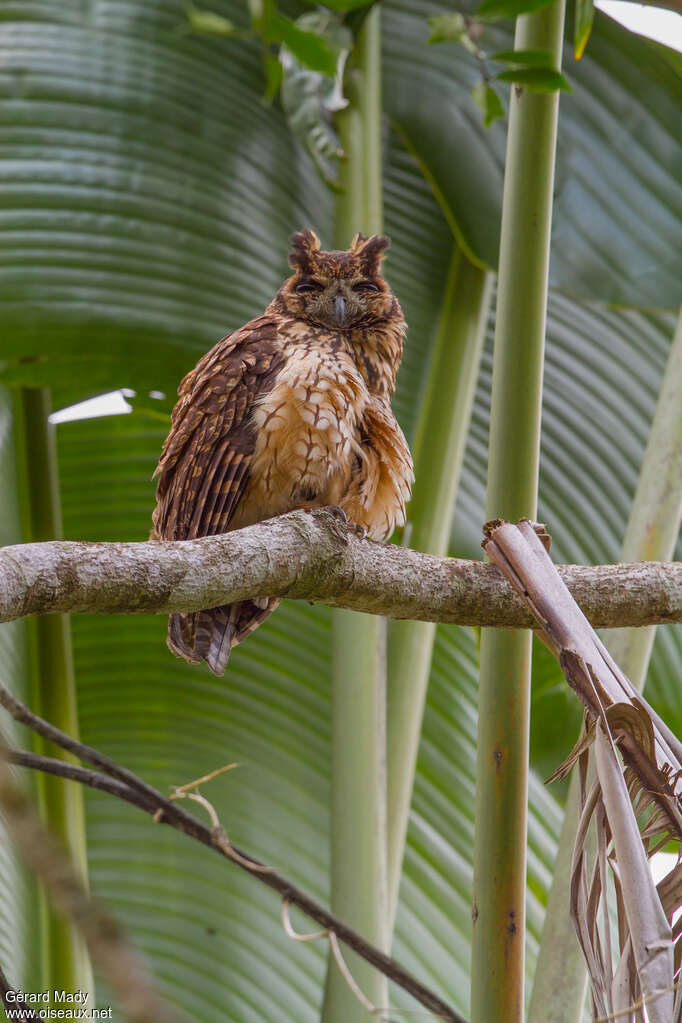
204 465
383 483
204 470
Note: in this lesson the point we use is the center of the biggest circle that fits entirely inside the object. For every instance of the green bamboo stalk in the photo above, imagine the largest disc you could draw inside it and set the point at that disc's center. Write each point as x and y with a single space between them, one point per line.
438 455
497 982
19 894
358 829
653 528
656 515
358 834
52 692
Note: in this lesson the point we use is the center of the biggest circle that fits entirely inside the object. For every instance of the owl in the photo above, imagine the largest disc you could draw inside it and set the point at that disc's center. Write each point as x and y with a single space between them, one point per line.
293 410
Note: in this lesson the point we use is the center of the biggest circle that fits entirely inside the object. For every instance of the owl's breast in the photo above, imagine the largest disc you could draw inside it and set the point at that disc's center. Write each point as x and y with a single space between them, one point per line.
307 434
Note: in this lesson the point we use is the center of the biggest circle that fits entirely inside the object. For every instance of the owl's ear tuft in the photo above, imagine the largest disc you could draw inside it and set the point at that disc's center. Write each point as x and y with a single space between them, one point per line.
370 250
303 244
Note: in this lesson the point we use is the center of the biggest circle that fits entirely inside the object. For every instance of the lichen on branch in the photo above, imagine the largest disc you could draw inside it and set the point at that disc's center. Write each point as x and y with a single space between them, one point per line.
311 556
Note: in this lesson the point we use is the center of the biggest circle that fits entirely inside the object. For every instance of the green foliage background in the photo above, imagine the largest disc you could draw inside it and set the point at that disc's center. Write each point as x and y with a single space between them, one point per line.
146 200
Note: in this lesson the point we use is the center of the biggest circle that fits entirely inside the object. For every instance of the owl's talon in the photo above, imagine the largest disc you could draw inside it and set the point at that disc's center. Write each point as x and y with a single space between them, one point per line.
338 513
353 527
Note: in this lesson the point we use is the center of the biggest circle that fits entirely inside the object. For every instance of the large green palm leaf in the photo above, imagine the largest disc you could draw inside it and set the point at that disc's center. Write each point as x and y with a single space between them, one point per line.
617 208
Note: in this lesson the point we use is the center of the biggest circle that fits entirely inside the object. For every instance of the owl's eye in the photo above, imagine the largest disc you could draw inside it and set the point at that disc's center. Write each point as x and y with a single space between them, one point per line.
307 287
366 286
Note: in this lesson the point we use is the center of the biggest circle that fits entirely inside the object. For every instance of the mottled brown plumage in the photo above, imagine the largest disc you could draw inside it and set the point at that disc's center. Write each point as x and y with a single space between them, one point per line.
292 410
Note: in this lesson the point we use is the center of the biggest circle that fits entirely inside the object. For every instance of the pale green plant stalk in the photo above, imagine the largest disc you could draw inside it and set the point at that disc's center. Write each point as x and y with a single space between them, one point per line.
358 833
19 894
358 828
52 693
497 981
653 529
438 454
656 515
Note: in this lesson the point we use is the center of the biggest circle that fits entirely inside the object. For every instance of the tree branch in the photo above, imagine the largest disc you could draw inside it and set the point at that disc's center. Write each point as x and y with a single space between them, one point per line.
122 783
28 1015
123 968
311 556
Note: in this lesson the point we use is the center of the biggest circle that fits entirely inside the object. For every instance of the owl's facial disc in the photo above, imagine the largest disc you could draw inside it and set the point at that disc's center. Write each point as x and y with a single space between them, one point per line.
341 303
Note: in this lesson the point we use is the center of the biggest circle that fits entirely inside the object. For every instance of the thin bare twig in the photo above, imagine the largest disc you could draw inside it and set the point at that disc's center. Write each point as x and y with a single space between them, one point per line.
294 935
220 839
336 952
28 1015
348 976
383 1014
639 1004
190 785
106 942
123 784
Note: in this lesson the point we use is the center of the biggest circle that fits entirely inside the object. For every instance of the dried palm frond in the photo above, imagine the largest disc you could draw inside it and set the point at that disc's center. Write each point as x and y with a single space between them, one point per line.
630 767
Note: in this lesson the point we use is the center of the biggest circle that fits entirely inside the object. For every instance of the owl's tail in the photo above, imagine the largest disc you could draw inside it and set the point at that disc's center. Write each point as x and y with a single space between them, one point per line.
210 635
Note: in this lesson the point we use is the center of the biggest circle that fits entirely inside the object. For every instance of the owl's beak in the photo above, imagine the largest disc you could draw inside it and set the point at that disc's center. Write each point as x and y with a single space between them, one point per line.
339 310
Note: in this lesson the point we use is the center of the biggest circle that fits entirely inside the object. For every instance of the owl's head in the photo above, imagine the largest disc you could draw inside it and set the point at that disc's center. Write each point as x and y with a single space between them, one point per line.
338 290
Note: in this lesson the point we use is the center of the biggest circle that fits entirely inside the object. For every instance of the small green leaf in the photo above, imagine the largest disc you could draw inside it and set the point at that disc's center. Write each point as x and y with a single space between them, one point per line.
310 49
488 102
446 28
451 28
584 16
526 58
209 23
536 79
491 10
274 73
310 98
